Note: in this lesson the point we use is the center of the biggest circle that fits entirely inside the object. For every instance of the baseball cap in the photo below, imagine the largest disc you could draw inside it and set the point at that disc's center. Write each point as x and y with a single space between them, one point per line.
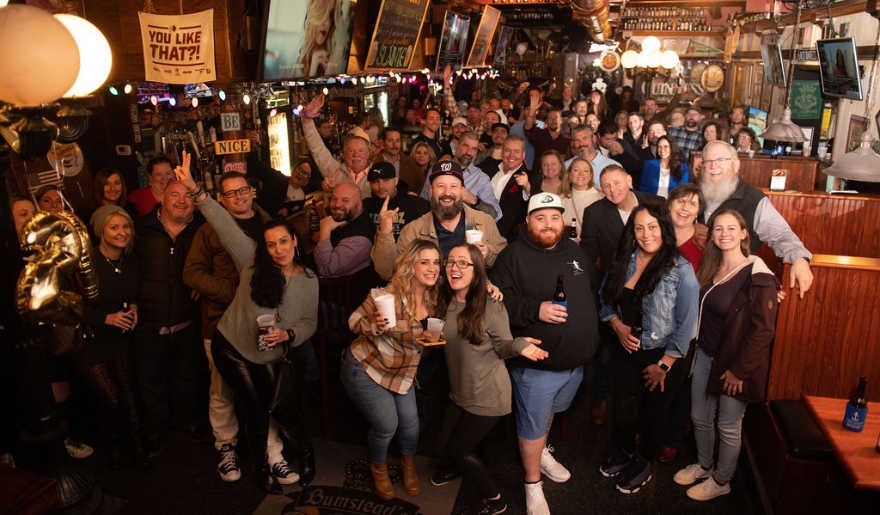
381 170
500 125
545 200
446 168
459 121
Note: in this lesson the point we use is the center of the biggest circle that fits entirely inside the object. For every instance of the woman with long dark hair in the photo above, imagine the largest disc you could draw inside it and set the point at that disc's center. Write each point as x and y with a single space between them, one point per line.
738 309
274 281
379 368
660 176
650 300
109 189
478 341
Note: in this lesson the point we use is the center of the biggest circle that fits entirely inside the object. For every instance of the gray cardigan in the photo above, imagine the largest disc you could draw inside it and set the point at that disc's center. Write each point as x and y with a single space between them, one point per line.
298 309
477 376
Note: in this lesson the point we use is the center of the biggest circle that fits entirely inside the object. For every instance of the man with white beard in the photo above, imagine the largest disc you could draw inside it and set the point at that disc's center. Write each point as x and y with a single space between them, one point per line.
723 188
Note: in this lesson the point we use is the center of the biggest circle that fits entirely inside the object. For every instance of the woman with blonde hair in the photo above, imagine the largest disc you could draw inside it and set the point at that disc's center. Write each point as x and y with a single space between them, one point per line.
379 368
425 158
579 192
317 48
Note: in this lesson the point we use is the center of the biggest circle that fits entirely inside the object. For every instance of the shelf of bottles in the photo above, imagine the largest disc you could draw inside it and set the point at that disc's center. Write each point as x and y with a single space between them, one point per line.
688 19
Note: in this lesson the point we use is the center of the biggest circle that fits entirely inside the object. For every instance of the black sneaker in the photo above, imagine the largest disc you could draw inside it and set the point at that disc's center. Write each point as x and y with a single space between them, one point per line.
284 474
228 466
637 474
615 464
441 477
493 506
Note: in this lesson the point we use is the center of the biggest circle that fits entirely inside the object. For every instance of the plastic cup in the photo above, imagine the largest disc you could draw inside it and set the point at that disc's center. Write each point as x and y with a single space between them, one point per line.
823 151
435 329
266 323
385 306
473 236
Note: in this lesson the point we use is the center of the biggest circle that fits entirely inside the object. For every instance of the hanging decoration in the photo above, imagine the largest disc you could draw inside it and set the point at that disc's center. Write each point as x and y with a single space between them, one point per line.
178 49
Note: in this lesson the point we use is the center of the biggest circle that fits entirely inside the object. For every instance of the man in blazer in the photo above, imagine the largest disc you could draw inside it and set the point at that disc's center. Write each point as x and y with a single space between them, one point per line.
603 225
511 184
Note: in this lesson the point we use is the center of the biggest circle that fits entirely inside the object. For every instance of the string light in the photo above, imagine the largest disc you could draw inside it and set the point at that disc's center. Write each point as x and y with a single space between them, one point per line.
222 95
195 101
128 88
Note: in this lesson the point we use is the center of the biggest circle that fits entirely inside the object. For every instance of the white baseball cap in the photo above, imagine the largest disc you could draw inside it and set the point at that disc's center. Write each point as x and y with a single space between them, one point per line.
544 201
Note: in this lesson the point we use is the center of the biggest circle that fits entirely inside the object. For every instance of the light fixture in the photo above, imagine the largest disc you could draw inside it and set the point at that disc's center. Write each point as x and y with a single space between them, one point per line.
127 88
195 101
246 99
784 129
154 100
222 95
113 91
650 61
172 101
94 70
42 45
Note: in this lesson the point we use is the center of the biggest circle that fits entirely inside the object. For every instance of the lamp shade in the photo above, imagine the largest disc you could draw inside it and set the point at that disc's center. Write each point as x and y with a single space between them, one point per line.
39 61
669 59
784 129
96 59
650 43
862 164
629 59
653 58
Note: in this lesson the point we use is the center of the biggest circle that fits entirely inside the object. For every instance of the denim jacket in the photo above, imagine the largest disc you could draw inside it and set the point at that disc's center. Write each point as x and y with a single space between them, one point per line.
669 313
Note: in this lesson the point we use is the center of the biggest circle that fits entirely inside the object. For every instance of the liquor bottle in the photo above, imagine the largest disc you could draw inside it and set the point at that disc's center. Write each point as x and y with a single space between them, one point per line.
573 229
857 408
559 296
636 331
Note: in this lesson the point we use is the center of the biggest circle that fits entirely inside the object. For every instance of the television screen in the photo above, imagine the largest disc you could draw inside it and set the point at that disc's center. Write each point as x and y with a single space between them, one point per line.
453 41
306 39
839 68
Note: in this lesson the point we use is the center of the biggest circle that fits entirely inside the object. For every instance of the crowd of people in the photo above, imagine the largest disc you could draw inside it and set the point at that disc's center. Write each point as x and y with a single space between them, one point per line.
656 263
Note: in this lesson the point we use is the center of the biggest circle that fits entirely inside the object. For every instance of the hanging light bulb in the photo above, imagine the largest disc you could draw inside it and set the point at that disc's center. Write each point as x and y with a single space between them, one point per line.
127 88
94 69
246 99
195 101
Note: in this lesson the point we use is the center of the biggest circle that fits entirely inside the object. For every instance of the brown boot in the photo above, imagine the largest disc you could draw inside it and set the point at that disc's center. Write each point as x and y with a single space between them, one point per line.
410 479
384 488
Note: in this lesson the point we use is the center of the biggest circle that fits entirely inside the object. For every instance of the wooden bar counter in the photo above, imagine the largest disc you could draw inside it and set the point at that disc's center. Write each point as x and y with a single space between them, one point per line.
854 451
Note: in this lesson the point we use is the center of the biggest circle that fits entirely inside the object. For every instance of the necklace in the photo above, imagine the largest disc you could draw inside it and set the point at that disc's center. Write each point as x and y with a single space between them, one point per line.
116 267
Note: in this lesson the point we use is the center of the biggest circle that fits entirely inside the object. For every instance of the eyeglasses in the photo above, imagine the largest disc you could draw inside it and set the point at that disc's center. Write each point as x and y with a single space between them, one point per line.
461 264
710 162
240 191
685 202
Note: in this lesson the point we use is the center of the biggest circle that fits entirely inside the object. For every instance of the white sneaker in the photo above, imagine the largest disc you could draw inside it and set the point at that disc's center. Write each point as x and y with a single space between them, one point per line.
552 468
536 504
691 474
76 449
707 490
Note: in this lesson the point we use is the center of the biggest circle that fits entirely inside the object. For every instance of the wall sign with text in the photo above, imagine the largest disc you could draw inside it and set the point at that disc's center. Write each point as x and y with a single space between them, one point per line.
397 34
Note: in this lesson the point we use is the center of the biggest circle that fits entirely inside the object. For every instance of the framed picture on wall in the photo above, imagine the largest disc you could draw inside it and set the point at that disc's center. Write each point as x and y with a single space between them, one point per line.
857 125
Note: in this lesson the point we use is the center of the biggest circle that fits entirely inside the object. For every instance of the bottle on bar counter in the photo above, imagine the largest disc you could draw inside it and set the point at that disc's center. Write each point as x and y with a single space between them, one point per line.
857 408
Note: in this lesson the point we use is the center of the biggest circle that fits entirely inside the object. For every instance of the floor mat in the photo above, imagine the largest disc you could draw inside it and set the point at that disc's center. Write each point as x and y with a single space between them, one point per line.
344 485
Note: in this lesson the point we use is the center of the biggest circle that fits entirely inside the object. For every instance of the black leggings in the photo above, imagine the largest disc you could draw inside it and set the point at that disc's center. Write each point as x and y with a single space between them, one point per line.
255 385
110 379
459 434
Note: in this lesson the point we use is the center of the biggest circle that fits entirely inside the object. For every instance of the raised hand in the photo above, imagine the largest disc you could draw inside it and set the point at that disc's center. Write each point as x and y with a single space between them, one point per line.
386 217
182 172
312 109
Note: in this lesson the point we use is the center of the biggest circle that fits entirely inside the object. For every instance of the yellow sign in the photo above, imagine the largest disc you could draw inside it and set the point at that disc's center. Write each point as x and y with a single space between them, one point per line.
232 146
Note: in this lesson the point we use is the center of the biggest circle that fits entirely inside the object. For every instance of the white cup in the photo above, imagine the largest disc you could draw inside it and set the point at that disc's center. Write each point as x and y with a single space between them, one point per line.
266 323
385 306
435 329
473 236
823 151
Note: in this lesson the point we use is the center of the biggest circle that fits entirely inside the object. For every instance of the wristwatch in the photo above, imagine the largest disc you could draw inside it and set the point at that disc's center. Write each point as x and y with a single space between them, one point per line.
291 335
663 366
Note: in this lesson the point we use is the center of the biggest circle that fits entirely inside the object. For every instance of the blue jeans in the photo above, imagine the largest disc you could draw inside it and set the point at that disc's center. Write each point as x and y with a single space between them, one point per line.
387 412
730 412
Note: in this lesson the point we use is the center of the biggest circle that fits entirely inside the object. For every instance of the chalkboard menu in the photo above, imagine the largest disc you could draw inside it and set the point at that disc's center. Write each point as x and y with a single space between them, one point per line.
396 34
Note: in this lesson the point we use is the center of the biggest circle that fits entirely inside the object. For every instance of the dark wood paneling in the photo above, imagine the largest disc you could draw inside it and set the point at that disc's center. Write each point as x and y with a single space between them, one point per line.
832 224
831 337
802 172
